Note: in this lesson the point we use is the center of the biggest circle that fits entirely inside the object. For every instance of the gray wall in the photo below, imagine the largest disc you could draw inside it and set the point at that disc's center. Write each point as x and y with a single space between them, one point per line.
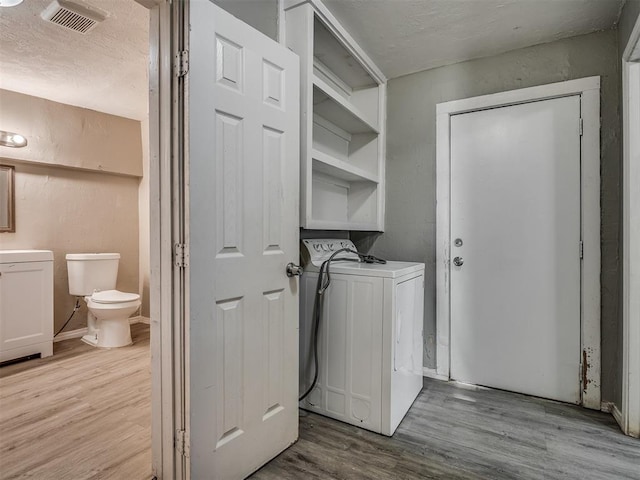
260 14
628 19
410 230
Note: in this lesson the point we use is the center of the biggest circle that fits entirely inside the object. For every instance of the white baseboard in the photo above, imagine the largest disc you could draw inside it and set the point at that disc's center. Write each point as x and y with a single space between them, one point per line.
140 319
80 332
433 373
617 414
612 408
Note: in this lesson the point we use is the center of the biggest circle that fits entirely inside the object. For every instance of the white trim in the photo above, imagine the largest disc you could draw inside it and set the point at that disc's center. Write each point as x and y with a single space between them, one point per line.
140 319
78 333
617 415
610 407
433 373
589 90
282 26
333 25
523 95
630 411
166 412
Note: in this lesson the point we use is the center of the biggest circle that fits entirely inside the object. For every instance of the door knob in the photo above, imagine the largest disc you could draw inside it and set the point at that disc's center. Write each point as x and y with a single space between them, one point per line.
458 261
294 270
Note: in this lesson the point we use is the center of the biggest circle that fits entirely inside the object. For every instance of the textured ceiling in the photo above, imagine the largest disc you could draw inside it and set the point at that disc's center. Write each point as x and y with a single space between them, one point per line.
406 36
104 70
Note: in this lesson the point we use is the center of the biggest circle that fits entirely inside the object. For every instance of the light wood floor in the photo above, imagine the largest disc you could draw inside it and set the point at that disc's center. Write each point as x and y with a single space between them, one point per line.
463 433
84 413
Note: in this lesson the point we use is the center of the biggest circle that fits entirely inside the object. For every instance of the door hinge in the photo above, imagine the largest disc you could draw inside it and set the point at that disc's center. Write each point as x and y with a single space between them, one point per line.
581 249
182 445
584 365
180 254
581 375
182 63
580 127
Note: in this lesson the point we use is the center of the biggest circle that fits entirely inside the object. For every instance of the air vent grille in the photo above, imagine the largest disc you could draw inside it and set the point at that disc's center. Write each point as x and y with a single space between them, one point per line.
71 16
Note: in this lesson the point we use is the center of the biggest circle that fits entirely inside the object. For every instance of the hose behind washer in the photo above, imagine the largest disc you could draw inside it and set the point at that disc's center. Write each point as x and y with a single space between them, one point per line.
318 303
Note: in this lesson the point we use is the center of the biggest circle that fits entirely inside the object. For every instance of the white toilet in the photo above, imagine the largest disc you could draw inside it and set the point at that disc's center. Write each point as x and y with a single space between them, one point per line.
93 276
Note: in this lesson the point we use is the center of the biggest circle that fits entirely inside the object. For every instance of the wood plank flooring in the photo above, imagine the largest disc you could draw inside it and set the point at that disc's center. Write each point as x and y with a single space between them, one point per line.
459 432
84 413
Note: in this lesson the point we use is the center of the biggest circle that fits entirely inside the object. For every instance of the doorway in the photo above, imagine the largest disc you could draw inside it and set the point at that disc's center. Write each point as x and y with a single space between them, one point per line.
75 170
476 234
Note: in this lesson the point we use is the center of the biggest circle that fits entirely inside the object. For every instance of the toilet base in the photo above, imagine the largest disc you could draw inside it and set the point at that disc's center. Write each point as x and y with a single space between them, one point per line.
91 339
110 334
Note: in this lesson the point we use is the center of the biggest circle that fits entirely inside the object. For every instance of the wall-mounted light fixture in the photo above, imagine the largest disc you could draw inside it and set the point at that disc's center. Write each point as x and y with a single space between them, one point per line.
10 139
10 3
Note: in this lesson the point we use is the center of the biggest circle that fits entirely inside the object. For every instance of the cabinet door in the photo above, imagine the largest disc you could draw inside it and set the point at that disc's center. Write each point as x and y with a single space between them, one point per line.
26 305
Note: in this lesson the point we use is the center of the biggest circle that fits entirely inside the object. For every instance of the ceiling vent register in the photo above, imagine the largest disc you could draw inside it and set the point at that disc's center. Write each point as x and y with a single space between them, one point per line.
72 16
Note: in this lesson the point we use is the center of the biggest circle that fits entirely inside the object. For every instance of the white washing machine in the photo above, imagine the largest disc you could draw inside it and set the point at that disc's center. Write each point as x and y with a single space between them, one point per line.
369 340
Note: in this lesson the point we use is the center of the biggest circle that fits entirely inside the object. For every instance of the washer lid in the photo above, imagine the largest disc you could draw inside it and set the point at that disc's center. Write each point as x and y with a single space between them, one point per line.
114 296
388 270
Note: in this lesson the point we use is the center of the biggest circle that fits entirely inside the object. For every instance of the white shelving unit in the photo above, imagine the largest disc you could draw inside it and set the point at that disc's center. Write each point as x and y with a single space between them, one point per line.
343 100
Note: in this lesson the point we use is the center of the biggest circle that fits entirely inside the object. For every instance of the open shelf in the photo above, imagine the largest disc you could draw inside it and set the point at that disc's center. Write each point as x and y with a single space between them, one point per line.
334 167
333 54
328 225
336 201
328 103
343 121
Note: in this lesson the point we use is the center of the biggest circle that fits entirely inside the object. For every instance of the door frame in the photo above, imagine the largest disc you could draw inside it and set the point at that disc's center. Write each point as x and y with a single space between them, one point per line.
589 91
629 417
166 215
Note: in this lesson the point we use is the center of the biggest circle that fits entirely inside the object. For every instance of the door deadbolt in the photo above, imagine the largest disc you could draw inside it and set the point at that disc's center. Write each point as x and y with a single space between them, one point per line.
458 261
457 242
294 270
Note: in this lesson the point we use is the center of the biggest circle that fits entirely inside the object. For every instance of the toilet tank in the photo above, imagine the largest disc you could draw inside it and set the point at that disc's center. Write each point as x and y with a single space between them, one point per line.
89 272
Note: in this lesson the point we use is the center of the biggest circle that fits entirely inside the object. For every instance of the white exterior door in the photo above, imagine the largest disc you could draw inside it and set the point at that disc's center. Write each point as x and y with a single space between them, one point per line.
515 208
243 176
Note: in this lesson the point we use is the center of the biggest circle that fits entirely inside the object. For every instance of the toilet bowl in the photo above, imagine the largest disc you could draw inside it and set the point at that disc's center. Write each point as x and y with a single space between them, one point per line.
108 321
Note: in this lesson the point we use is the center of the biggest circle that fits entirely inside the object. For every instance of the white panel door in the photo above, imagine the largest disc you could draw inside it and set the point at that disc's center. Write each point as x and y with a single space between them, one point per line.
243 230
515 205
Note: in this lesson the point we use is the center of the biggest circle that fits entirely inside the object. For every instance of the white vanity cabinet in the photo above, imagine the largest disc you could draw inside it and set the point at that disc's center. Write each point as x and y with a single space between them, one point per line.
26 303
343 113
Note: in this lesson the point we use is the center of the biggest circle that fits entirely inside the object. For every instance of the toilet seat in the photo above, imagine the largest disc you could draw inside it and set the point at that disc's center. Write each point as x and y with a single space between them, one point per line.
113 296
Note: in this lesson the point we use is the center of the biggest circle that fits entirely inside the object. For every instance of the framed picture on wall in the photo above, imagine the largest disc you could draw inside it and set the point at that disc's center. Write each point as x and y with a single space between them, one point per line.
7 199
